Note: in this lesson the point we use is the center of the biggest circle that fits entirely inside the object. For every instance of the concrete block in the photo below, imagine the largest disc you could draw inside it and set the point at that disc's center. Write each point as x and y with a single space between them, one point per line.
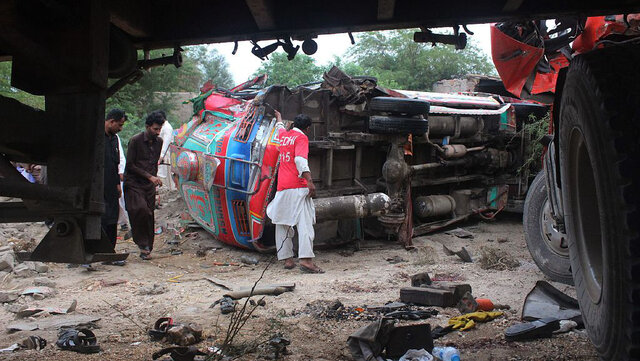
41 267
7 261
8 296
458 289
43 281
22 270
427 296
420 279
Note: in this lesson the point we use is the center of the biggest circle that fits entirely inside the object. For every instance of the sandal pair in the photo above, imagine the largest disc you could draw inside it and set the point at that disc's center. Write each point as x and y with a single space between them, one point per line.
81 340
179 353
160 328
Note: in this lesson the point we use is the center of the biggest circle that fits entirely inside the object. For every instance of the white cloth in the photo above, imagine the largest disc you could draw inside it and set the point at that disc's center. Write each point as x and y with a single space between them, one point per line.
293 207
166 133
302 165
123 216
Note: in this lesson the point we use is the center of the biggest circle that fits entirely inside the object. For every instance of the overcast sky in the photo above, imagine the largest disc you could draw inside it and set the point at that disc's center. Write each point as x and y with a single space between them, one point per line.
244 64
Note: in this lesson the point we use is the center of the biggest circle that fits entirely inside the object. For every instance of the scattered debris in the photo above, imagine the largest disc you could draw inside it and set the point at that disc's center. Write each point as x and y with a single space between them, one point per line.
8 296
503 239
494 258
219 283
43 281
278 345
462 253
396 259
443 294
460 233
420 279
30 343
154 289
81 340
261 302
407 337
34 311
53 322
184 335
468 321
273 290
566 326
39 293
368 342
448 277
160 328
468 304
416 355
227 305
179 353
246 259
544 300
542 328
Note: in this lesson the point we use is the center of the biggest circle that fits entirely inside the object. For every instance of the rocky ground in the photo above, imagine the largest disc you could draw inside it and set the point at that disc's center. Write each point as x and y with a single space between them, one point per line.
125 301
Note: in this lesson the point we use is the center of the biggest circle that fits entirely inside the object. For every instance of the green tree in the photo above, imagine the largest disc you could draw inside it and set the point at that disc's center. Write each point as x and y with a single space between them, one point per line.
213 66
398 62
153 90
302 69
8 91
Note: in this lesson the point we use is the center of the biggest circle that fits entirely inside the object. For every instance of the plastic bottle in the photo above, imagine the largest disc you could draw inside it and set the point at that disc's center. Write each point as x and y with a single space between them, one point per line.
446 353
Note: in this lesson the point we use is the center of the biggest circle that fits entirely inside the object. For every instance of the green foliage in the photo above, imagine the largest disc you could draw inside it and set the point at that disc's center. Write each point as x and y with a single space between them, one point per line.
302 69
152 92
7 91
398 62
534 130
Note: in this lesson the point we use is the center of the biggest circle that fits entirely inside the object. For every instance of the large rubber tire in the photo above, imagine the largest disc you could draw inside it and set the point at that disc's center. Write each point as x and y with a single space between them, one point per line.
546 245
381 124
600 171
404 106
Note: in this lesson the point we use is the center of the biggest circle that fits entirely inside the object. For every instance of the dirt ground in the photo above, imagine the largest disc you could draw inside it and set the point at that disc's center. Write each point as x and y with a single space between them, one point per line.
358 279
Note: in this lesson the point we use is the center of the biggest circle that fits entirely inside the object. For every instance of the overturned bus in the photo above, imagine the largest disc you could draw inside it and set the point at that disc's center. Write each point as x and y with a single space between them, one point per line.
388 163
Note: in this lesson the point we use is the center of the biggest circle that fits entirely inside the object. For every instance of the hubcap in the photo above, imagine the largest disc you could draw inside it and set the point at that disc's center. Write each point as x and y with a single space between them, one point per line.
554 239
586 215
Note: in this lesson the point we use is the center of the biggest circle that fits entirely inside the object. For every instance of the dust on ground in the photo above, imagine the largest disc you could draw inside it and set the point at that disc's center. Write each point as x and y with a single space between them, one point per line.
123 296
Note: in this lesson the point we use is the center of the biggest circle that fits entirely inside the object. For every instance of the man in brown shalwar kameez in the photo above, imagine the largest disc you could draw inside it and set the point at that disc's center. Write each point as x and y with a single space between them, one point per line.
140 181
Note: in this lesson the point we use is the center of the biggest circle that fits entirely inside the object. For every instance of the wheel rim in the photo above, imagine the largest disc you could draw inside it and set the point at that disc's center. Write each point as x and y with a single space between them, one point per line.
554 239
586 215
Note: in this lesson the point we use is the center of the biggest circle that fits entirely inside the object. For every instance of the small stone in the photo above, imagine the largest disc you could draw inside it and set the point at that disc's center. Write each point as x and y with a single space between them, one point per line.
503 239
154 289
246 259
8 296
41 267
43 281
22 270
7 261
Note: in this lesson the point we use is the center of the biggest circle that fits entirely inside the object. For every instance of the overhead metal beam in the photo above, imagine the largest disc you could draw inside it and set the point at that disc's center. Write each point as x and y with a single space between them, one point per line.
262 12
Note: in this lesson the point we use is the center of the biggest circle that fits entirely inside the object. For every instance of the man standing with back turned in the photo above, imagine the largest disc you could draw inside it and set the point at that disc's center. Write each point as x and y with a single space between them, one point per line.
112 190
292 205
140 181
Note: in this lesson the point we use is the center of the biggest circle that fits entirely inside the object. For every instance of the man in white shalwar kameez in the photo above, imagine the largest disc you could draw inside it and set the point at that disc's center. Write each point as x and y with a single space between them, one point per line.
123 217
292 205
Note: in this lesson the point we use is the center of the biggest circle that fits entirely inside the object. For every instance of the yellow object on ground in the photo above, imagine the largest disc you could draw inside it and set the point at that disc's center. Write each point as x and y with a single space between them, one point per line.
468 321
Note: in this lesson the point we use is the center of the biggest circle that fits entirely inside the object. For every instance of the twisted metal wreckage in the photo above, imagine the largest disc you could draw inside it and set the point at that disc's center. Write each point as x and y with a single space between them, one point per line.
387 162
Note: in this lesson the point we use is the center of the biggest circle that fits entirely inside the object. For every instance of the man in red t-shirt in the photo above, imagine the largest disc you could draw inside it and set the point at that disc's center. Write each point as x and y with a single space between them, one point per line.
292 205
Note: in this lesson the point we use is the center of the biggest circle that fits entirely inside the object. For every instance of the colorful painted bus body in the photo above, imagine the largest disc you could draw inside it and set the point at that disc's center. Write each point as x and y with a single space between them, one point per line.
225 160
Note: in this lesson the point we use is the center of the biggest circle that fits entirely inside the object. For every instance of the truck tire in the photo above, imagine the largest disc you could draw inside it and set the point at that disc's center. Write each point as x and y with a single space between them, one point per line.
404 106
381 124
600 173
547 246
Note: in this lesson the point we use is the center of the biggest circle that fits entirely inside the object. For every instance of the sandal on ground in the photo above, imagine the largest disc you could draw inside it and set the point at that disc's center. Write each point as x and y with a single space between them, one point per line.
80 340
33 343
541 328
179 353
306 269
160 328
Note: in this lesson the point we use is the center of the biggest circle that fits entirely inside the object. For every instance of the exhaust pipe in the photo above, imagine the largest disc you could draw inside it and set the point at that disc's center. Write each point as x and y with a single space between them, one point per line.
348 207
